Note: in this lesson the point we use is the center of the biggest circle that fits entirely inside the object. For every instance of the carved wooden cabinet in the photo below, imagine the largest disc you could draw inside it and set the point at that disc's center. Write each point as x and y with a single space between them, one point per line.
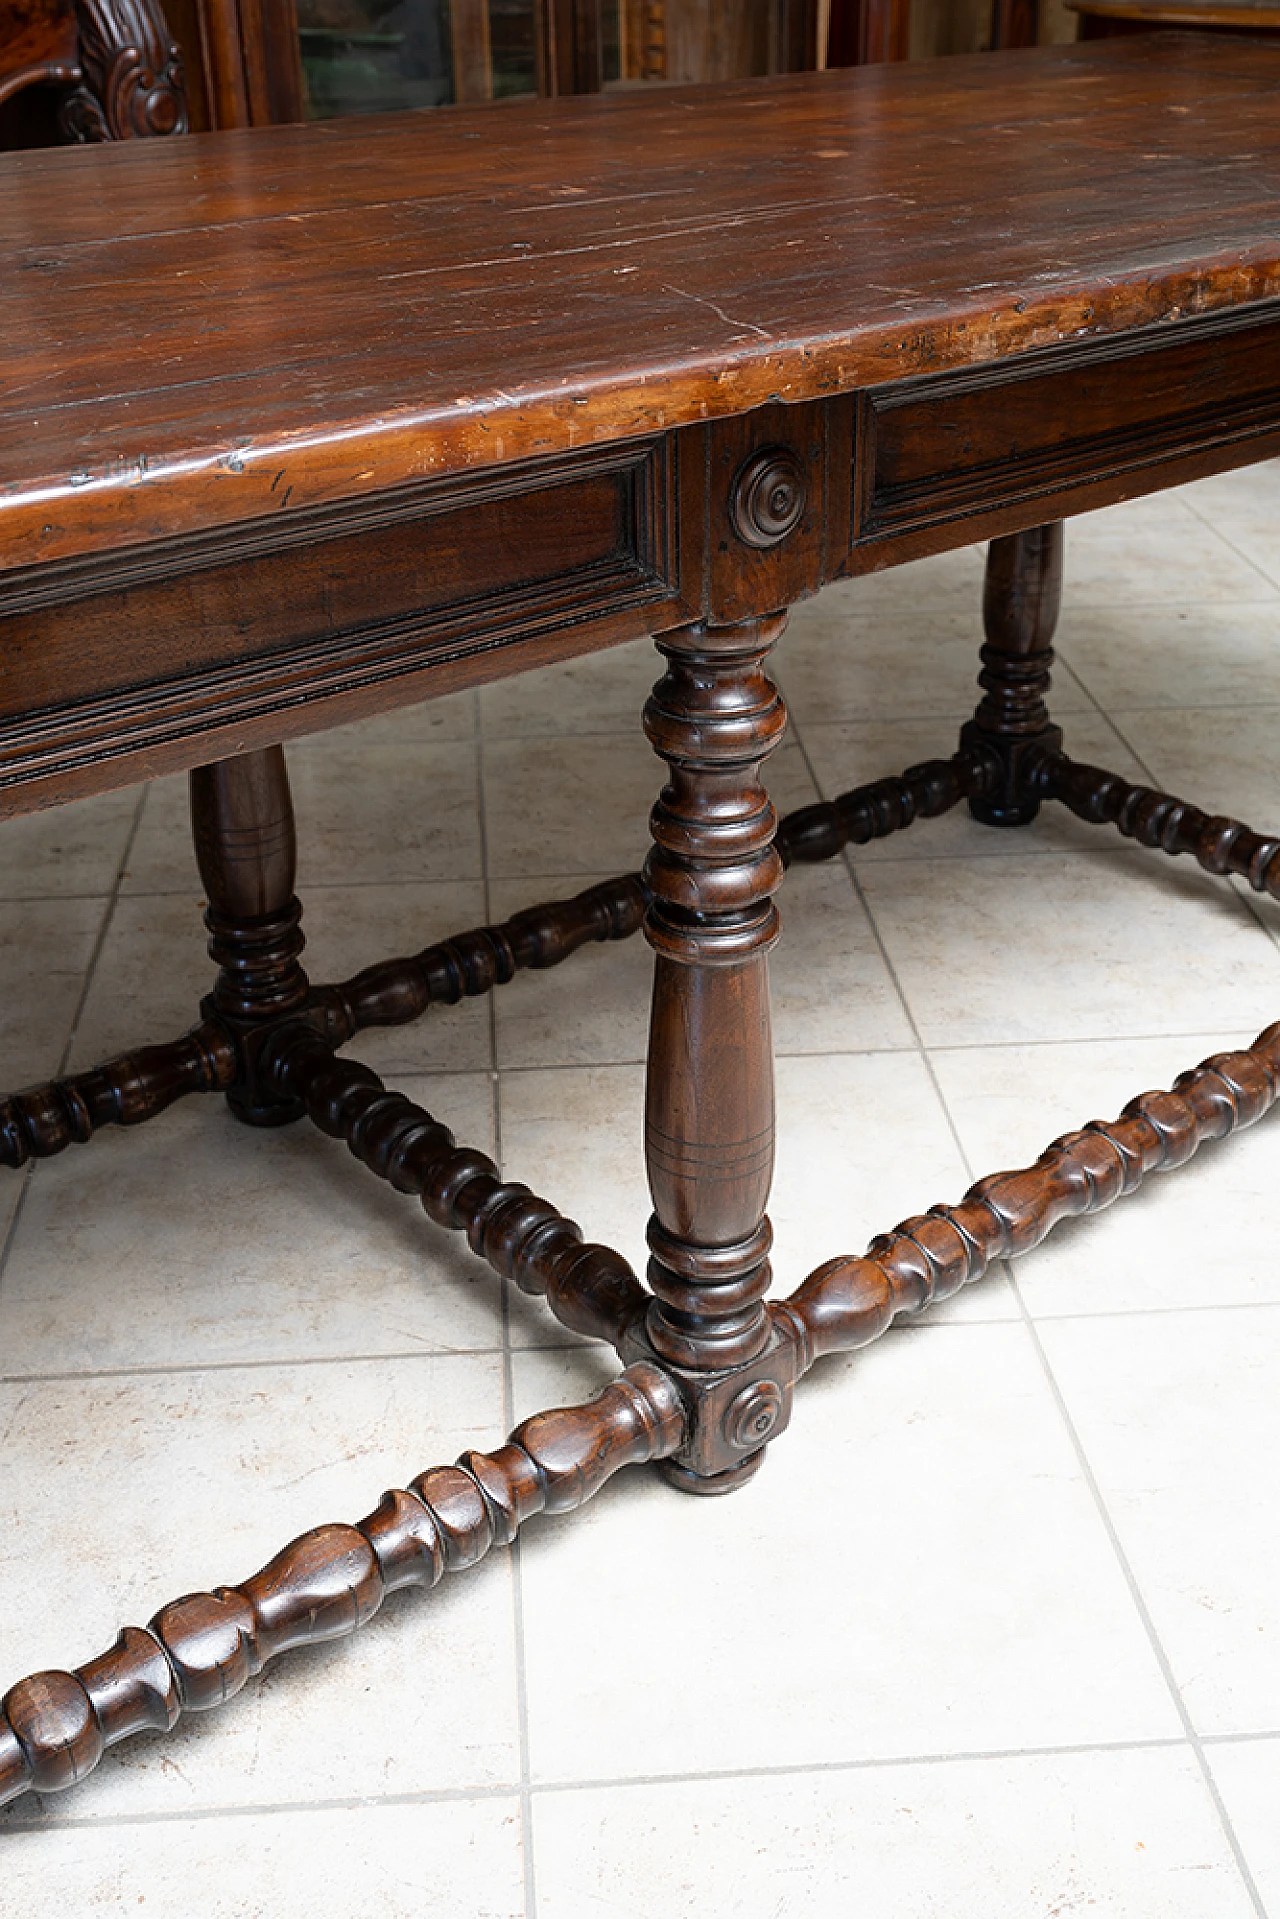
135 66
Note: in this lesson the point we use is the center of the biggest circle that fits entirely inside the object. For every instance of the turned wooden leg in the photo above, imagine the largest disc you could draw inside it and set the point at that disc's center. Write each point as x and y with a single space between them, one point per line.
1020 602
709 1104
242 824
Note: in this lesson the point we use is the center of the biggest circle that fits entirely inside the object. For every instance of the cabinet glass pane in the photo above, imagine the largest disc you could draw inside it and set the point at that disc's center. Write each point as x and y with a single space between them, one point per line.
375 56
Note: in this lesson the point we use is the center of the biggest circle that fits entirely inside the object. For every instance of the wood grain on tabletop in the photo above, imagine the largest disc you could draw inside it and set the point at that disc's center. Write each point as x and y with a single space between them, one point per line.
302 313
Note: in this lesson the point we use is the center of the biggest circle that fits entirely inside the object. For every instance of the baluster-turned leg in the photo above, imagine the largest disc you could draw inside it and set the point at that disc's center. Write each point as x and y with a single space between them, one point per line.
242 824
1020 602
709 1105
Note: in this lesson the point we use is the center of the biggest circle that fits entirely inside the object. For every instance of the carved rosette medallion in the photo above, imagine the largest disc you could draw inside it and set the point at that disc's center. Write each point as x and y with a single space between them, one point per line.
768 496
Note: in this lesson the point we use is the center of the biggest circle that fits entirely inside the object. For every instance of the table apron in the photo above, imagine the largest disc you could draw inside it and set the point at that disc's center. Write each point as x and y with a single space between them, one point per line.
149 659
954 457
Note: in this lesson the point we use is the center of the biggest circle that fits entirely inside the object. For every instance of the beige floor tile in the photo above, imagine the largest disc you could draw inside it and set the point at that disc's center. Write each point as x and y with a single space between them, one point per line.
918 1568
1242 506
1207 654
1162 1246
913 662
599 693
593 1010
844 1169
1248 1777
844 756
863 1144
1156 551
68 850
153 971
1222 761
151 974
121 1494
1227 498
403 811
830 987
584 808
1069 946
195 1240
402 1862
1128 1833
1178 1415
45 950
451 717
161 859
946 580
575 1135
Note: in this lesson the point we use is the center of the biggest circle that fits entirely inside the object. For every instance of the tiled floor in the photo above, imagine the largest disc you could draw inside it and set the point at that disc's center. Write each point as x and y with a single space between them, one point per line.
996 1632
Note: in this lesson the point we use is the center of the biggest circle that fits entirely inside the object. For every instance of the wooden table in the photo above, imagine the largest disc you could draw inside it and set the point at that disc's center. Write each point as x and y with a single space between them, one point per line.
303 424
1106 19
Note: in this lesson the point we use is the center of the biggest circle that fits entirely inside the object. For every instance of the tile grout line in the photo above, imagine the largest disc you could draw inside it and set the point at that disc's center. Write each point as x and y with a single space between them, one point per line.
1239 552
1190 1736
1158 1651
620 1782
1193 1739
91 966
1249 901
508 1380
922 1050
907 1329
104 927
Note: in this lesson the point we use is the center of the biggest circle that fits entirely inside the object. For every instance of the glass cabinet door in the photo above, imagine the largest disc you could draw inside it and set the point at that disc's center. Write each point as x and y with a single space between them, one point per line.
372 56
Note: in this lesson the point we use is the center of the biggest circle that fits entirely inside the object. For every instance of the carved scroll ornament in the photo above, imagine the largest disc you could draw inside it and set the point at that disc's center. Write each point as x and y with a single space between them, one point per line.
132 83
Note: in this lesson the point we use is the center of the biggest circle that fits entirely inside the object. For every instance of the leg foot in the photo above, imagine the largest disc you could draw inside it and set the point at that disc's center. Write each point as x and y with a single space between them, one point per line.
709 1485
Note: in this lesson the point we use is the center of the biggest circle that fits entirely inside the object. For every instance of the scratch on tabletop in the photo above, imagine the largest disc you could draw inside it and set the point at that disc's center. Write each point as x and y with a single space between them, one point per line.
701 300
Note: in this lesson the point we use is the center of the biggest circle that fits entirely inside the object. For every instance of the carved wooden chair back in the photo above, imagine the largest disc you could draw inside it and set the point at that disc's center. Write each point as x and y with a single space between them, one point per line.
115 66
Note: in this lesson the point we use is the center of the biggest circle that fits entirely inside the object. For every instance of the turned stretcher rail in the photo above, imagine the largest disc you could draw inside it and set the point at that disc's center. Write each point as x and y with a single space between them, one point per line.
850 1301
46 1119
136 1086
200 1650
1159 820
123 1092
589 1288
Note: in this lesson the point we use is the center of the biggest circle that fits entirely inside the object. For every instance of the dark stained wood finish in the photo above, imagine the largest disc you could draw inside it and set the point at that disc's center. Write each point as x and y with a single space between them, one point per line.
849 1302
360 606
1015 23
201 1650
1102 19
862 32
249 60
123 1092
714 717
688 276
39 44
1152 818
589 1288
938 448
242 825
118 60
455 486
1021 599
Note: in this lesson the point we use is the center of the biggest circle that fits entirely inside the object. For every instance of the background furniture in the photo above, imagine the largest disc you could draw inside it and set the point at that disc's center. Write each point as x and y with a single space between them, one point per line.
236 63
254 551
1104 19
